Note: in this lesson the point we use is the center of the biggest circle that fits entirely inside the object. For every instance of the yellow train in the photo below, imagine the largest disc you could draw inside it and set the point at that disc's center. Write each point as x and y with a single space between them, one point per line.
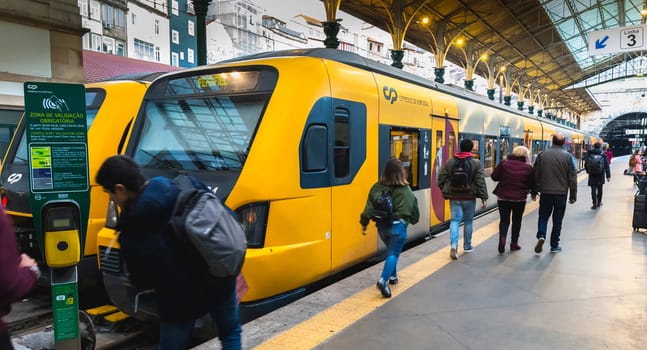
293 140
111 107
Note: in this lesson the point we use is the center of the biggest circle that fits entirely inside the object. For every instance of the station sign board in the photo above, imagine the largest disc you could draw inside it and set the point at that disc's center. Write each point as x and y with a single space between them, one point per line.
617 40
634 132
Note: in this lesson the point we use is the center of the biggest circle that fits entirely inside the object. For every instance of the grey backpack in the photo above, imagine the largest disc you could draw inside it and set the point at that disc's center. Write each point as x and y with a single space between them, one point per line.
208 229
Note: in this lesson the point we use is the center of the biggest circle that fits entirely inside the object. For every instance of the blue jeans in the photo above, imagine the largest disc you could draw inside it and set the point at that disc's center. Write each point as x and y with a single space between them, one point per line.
394 237
555 204
462 210
225 318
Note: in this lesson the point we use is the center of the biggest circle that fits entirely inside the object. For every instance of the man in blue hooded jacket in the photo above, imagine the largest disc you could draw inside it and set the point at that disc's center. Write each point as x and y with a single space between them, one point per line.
184 292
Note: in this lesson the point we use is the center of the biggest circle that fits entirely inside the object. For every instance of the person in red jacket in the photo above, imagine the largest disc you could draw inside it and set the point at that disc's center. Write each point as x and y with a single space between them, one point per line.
18 275
515 182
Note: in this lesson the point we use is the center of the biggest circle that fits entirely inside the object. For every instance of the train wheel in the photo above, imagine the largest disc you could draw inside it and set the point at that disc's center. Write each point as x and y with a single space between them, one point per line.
87 332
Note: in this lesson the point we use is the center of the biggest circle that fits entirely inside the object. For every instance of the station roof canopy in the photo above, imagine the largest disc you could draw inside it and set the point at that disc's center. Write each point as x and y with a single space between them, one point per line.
544 42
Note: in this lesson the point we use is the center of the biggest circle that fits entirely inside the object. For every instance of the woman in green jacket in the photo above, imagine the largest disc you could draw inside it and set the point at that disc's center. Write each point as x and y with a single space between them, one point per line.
394 232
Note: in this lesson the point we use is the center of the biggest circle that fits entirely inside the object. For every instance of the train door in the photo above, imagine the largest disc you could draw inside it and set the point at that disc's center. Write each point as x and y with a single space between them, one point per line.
349 150
444 133
503 144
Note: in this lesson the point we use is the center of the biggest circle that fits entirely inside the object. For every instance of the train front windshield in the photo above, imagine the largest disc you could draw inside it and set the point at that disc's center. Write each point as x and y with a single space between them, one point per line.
203 122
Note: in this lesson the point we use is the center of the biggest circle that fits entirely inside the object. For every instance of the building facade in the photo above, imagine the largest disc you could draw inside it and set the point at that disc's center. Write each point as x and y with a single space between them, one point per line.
183 33
41 41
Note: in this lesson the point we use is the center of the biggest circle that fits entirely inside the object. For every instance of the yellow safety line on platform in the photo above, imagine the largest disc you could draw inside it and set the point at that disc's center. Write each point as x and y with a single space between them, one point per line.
315 330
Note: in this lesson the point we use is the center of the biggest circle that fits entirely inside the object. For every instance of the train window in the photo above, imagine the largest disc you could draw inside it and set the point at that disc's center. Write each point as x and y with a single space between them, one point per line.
505 148
199 133
93 101
342 143
476 151
314 148
489 156
404 146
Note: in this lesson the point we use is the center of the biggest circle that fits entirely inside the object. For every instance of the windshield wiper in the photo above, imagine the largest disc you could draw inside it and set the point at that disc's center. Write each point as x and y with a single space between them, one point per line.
164 162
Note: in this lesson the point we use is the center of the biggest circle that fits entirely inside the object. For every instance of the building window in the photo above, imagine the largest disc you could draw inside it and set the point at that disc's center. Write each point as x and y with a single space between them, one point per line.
83 8
132 16
108 45
189 7
95 42
175 59
181 55
158 57
175 7
120 48
189 56
86 41
95 13
175 36
144 50
113 17
191 28
157 26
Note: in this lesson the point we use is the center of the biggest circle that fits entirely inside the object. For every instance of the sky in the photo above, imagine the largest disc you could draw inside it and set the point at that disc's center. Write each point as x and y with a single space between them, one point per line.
313 8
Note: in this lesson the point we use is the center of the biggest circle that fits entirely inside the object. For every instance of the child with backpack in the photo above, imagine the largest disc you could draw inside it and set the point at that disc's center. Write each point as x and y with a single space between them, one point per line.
393 206
597 166
462 181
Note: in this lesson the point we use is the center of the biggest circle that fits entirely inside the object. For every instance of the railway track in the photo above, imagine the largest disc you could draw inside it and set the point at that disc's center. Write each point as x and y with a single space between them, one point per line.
30 326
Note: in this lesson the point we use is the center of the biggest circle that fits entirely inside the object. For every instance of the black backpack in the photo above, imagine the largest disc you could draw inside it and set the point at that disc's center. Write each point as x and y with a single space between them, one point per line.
382 212
595 164
206 230
460 179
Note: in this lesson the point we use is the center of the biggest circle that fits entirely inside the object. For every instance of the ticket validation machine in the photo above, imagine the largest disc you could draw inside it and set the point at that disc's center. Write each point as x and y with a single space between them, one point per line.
61 227
59 193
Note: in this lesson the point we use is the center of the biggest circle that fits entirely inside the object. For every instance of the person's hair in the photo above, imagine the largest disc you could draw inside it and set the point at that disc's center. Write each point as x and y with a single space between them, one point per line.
122 170
597 145
636 152
558 140
466 145
394 174
520 151
605 146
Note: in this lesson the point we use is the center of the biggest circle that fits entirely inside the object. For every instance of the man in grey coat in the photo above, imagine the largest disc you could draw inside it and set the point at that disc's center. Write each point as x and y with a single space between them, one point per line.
556 177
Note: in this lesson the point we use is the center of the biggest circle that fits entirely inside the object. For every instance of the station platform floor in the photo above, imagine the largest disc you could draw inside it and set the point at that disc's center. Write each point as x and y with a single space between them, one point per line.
592 295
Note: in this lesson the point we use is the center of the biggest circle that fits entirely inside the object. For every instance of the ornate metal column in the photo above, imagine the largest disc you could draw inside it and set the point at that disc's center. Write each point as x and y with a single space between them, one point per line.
200 7
507 97
472 59
331 26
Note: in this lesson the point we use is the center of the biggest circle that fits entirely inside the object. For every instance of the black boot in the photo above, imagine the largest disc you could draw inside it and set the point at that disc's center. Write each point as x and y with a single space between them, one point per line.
502 239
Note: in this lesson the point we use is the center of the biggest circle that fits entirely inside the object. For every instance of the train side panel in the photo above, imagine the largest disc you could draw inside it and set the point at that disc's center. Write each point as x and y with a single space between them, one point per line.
405 116
444 143
355 145
299 222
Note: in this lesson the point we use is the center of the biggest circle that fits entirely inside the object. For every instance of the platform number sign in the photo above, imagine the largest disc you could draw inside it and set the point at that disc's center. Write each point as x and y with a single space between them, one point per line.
617 40
631 38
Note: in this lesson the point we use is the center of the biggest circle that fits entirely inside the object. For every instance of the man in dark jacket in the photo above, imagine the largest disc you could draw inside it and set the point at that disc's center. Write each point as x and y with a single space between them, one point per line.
596 176
462 203
18 275
556 178
184 293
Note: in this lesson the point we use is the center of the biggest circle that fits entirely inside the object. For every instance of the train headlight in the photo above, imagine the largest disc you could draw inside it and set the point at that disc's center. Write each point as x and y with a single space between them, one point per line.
112 215
253 217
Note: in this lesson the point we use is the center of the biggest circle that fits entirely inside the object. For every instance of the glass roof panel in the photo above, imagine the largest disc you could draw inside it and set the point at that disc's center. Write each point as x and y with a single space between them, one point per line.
590 15
582 5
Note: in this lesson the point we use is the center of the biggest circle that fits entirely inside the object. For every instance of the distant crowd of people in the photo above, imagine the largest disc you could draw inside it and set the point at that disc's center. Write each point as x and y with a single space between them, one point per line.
552 178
